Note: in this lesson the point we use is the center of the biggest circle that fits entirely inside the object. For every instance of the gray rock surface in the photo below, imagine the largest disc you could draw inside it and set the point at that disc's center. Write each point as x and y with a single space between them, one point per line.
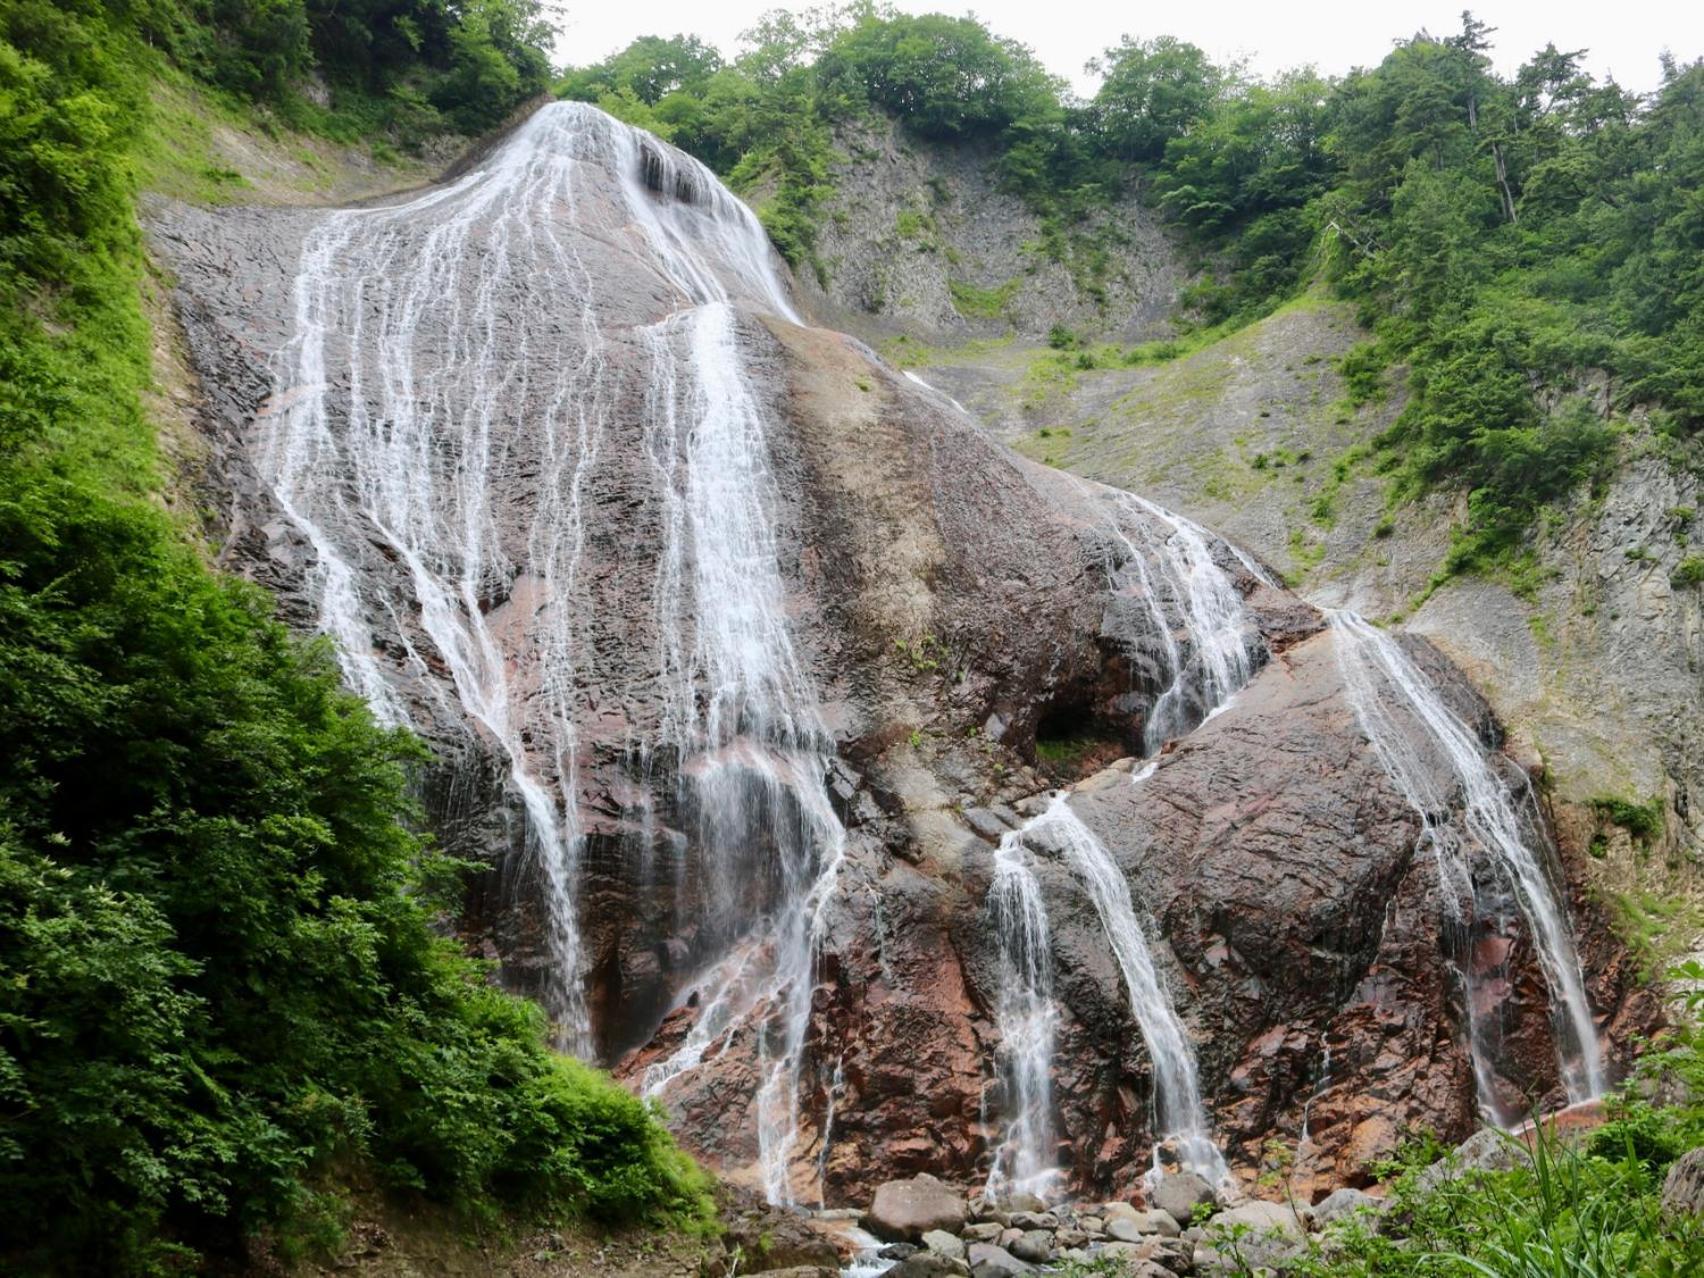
906 1210
1487 1150
1683 1187
930 1264
1251 1236
908 219
1034 1245
944 1243
1179 1193
989 1261
1343 1203
1134 1260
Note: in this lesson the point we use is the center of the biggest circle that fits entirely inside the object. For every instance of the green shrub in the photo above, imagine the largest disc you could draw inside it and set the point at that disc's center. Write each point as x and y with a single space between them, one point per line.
1644 821
974 302
223 974
1590 1212
1689 572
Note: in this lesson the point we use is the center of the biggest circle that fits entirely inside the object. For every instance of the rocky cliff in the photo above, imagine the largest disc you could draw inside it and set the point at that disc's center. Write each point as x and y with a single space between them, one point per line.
741 656
920 238
1591 652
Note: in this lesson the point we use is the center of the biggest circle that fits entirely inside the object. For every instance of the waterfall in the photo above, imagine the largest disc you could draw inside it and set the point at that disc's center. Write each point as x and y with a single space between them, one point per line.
1321 1085
444 407
836 1083
1445 773
1168 564
1026 1013
935 390
1026 1018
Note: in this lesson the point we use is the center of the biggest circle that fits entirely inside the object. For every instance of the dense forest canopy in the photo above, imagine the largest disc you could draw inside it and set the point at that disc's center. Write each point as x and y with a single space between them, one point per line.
1529 248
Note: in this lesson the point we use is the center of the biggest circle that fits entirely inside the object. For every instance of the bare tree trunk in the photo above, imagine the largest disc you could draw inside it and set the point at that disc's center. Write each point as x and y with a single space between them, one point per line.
1503 182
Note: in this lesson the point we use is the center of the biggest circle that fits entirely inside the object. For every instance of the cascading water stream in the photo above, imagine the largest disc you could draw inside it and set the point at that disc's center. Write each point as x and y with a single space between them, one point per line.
1026 1018
1027 1015
1445 773
1168 564
456 346
1169 561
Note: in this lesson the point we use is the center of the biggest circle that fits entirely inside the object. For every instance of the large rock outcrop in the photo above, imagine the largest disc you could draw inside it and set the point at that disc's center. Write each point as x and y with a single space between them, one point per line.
470 434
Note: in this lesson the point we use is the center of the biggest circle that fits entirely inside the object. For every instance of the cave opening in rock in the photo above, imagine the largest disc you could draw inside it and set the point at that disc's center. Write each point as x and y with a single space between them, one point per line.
1071 741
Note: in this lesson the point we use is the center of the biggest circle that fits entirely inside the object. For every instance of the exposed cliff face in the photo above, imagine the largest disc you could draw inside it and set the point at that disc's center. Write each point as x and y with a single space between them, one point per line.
920 238
734 648
1597 668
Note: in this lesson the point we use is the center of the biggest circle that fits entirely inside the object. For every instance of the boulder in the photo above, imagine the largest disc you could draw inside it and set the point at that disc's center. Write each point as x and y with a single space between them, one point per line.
1486 1150
1180 1193
1028 1220
989 1261
771 1239
1035 1246
930 1264
1133 1261
986 1231
1342 1203
905 1210
1142 1224
942 1243
1683 1189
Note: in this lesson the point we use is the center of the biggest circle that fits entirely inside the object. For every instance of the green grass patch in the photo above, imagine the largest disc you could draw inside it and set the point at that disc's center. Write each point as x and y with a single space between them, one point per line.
974 302
1566 1210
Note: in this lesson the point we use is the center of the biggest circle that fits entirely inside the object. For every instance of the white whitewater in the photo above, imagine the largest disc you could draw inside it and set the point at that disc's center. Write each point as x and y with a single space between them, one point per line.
935 390
397 424
1026 1018
1169 564
1026 1012
1447 776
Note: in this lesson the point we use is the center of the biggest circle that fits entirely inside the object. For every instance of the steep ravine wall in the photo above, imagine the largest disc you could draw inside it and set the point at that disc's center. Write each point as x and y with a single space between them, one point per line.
907 220
949 600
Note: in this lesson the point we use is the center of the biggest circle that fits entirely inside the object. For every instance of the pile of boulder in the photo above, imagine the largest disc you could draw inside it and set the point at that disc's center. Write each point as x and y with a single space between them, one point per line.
1181 1226
1185 1228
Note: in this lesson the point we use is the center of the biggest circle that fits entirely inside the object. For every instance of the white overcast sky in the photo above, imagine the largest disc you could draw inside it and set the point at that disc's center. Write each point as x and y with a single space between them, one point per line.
1624 36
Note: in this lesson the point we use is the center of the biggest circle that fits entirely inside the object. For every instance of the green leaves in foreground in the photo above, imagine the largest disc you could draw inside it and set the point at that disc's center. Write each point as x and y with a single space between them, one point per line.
223 983
218 967
1587 1210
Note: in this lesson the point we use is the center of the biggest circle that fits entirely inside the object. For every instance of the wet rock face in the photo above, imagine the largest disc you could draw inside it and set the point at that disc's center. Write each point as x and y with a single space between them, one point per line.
947 603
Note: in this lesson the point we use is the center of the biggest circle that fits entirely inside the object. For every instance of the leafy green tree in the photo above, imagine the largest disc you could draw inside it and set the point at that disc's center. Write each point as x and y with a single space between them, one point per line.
944 77
1152 92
